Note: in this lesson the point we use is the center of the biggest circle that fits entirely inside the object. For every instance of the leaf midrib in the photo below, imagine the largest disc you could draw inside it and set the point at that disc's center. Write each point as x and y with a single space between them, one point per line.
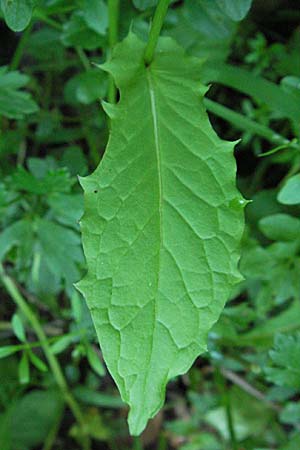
154 115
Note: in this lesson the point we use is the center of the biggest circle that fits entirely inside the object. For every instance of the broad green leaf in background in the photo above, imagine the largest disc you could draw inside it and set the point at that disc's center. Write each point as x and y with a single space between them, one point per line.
235 9
44 44
60 250
19 234
77 33
17 13
202 441
75 160
286 356
87 86
290 192
202 28
144 4
208 18
280 227
14 103
95 15
162 225
291 413
33 418
67 208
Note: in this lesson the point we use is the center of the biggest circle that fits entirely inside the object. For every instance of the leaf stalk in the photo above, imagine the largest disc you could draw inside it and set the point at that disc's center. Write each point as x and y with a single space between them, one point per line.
20 48
158 20
113 17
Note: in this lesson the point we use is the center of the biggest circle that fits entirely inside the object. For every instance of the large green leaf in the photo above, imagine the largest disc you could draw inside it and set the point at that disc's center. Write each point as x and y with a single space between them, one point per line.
76 32
290 192
280 227
29 429
17 13
162 225
95 15
144 4
235 9
202 28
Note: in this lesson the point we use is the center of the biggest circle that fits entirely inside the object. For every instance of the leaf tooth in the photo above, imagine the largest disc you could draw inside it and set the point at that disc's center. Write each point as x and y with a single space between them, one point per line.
89 184
202 89
110 109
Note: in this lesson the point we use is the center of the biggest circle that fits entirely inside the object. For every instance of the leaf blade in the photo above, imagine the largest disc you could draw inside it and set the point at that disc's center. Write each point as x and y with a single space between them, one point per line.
235 9
154 184
17 13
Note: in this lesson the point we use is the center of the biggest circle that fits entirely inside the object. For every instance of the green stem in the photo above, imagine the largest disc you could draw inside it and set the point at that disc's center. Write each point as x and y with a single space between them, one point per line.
51 438
51 22
158 20
52 360
137 443
251 390
230 422
79 334
93 148
243 123
162 442
20 48
113 16
226 402
83 58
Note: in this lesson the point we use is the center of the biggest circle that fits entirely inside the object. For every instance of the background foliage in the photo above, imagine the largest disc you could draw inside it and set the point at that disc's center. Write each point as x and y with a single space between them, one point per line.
55 391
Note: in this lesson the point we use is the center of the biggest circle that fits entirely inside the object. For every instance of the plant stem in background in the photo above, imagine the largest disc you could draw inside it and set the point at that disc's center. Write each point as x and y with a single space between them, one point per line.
50 440
137 443
113 17
51 358
246 387
226 403
158 20
51 22
243 123
20 48
83 58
